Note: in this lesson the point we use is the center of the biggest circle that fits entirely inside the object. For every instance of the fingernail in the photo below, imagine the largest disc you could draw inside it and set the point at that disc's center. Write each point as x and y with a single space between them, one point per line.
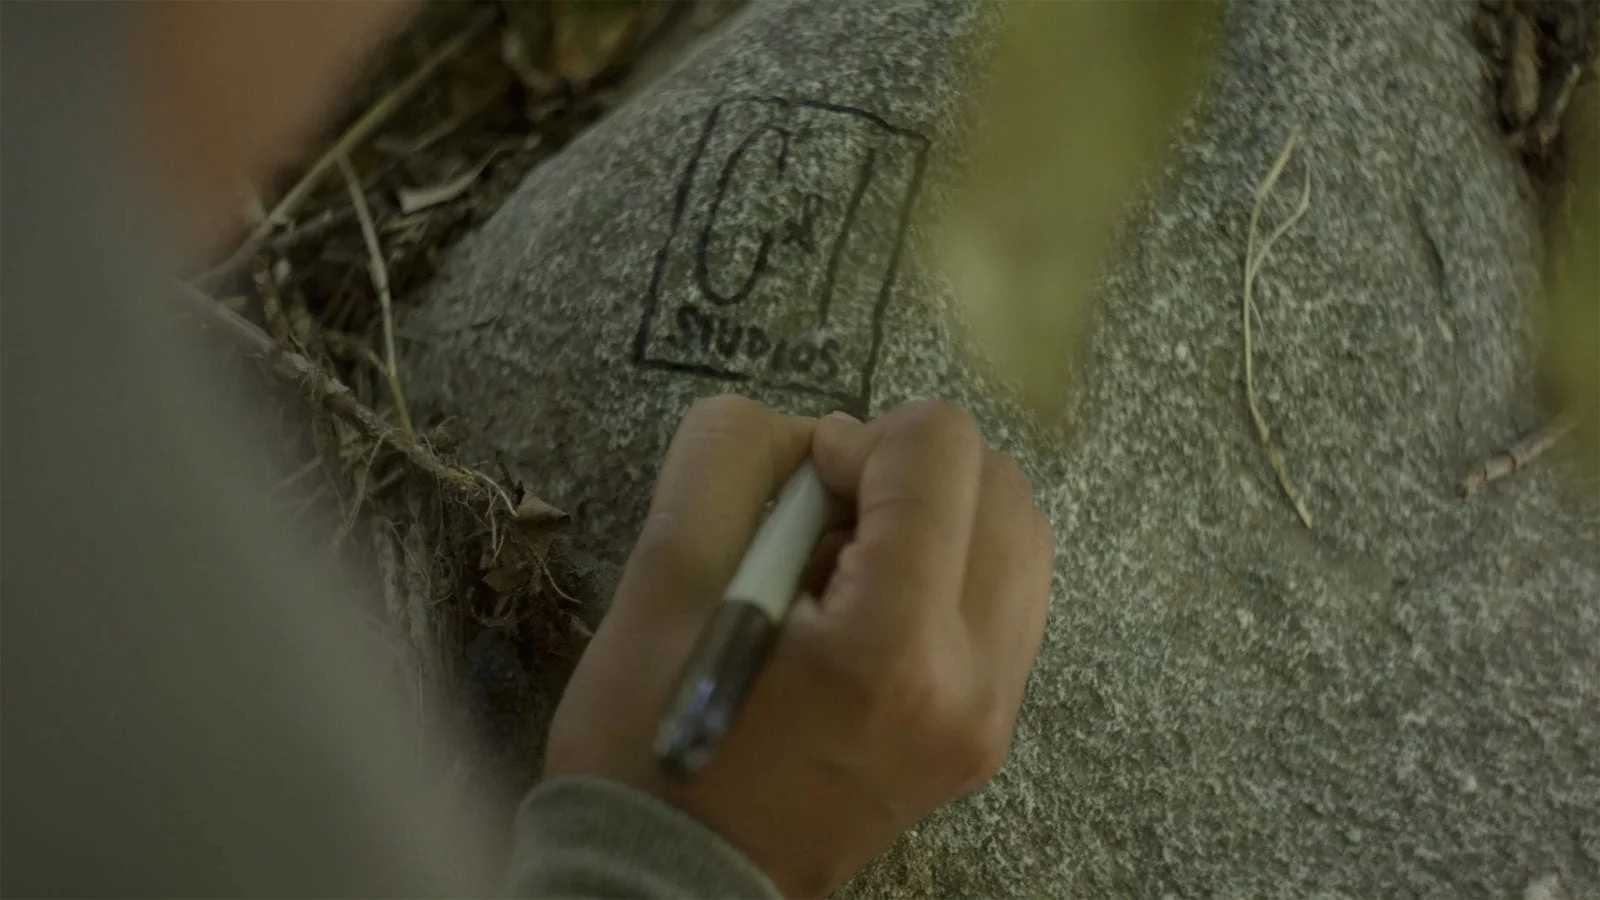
837 429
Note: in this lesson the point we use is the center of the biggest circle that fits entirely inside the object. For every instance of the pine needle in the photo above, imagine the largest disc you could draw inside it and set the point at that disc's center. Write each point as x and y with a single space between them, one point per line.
1253 260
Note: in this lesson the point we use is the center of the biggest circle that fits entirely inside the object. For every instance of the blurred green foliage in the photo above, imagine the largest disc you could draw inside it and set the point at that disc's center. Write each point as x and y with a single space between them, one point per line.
1573 278
1082 100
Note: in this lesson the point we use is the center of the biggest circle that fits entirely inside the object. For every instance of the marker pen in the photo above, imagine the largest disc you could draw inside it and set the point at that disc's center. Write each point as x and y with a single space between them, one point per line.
737 639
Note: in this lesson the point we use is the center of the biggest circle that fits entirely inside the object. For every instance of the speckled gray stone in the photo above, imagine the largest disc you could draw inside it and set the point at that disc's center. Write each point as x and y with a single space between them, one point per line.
1404 701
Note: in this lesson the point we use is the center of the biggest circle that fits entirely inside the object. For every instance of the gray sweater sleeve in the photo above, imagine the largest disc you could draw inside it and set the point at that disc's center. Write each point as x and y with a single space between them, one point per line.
189 709
581 837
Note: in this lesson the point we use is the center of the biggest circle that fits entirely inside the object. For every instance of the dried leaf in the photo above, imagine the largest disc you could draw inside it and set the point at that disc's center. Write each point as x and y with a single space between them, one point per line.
1520 97
536 514
518 564
525 46
590 37
476 82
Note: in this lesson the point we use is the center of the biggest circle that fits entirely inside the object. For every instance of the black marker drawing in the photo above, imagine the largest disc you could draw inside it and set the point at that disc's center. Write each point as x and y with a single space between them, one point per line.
780 165
786 233
802 232
864 179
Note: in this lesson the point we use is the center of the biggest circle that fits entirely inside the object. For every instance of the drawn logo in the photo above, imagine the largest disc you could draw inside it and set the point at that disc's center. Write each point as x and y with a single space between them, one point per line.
785 237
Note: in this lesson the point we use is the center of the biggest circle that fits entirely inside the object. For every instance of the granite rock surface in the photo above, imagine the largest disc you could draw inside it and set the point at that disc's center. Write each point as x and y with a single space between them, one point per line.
1404 699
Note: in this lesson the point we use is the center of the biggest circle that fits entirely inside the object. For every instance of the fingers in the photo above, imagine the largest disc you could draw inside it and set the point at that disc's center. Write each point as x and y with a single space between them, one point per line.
894 695
913 476
729 456
1009 550
1007 590
934 620
819 568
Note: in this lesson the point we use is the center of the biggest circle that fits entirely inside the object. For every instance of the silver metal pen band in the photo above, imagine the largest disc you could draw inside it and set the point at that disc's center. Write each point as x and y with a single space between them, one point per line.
717 676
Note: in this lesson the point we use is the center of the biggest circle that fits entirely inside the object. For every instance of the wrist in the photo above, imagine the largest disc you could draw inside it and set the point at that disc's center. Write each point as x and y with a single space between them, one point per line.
582 835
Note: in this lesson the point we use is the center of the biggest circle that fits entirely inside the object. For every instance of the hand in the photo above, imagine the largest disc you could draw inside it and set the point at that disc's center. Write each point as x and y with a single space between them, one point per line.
893 689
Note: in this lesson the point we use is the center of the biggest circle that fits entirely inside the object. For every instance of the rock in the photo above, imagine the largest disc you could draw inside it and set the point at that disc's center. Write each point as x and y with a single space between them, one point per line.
587 280
1402 700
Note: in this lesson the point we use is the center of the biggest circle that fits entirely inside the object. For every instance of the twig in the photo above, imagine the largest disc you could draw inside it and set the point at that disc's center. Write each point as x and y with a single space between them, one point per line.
353 345
272 307
380 284
496 489
388 481
550 577
312 228
1547 125
299 474
500 493
1253 260
324 389
307 502
1521 453
353 136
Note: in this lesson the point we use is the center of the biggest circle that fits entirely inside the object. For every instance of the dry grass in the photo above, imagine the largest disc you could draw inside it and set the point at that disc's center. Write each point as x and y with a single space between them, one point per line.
1254 258
450 119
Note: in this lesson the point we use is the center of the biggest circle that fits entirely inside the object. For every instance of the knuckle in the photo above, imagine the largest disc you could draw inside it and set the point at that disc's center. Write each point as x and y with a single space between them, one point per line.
836 656
1003 473
910 689
942 420
993 757
1011 487
897 694
897 677
982 750
661 554
903 683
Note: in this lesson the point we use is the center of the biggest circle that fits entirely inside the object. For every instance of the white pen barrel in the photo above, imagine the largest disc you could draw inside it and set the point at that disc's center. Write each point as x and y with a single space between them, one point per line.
769 574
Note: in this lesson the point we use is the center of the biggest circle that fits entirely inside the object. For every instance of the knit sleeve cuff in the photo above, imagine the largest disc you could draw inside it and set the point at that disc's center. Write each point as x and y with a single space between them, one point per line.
582 837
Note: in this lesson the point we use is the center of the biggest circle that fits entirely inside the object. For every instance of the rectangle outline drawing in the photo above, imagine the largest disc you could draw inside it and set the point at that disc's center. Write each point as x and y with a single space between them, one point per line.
857 404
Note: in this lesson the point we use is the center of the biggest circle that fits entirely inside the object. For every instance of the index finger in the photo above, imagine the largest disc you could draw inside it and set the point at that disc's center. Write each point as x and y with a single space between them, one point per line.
728 457
913 475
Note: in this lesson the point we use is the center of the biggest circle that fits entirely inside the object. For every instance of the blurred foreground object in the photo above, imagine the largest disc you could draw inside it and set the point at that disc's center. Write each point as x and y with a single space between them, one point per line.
446 121
1541 52
1574 283
1572 277
1541 66
1082 101
193 704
